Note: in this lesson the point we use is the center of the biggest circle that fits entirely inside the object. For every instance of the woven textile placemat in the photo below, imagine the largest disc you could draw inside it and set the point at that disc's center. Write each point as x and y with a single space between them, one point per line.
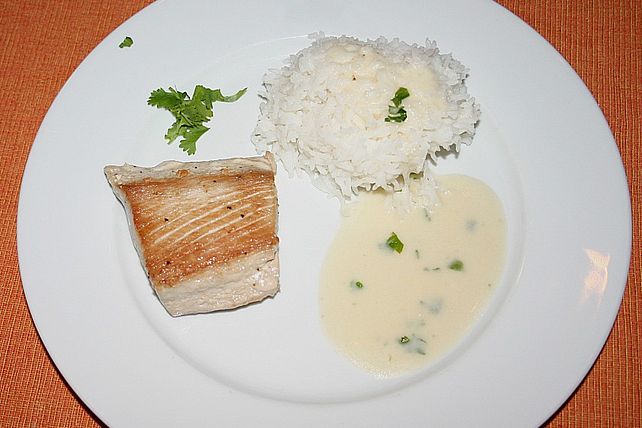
43 41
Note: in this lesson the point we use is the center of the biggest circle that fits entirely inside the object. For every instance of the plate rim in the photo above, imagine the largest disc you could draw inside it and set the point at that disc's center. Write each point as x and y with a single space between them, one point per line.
137 16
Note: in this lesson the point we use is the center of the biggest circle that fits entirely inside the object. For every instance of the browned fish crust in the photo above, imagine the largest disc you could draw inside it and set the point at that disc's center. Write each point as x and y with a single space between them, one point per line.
188 223
188 219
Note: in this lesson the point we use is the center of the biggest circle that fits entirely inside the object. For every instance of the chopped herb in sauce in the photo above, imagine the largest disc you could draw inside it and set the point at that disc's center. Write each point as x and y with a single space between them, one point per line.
413 345
457 265
434 306
426 311
396 112
357 284
126 43
394 242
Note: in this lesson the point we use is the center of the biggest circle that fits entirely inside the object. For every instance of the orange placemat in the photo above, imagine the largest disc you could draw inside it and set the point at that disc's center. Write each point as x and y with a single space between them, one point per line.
44 40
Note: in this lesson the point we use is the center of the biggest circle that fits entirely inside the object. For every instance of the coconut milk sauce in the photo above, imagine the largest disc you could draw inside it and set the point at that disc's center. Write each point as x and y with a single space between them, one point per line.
393 312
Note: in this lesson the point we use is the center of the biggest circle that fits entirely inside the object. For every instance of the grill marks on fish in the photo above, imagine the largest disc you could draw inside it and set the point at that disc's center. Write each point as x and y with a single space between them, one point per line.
211 214
185 223
205 231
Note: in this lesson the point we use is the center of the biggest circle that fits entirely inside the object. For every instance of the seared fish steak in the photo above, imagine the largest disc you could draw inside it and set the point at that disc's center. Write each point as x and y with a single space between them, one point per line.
205 232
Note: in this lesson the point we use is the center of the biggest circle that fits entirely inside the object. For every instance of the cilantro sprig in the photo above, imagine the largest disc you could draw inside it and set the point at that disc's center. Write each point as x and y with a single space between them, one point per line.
189 113
396 112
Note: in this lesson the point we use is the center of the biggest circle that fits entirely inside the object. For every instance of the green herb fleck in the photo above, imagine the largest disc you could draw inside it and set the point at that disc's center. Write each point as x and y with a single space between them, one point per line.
190 113
357 284
394 242
126 43
413 344
457 265
434 307
396 112
427 269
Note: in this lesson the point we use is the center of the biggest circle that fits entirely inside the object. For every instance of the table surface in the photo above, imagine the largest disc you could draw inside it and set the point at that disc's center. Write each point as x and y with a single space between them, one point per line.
43 41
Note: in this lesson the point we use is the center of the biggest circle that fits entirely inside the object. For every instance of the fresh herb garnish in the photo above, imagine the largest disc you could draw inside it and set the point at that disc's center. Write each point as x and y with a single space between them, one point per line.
190 113
357 284
396 112
457 265
127 42
413 345
394 242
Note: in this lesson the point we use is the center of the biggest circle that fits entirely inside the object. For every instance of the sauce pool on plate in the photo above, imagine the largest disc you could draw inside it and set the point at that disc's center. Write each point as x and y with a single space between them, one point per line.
391 309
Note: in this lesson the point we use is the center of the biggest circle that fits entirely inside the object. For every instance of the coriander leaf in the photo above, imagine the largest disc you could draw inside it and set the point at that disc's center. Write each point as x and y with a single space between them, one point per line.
396 113
168 100
191 134
394 242
401 94
357 284
127 42
174 131
216 95
189 113
457 265
232 98
399 117
195 112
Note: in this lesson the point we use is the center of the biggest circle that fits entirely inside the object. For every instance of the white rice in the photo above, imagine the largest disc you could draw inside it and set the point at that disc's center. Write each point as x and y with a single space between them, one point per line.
323 113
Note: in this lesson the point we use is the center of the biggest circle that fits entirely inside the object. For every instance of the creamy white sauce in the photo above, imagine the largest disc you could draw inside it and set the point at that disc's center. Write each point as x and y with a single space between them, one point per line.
412 307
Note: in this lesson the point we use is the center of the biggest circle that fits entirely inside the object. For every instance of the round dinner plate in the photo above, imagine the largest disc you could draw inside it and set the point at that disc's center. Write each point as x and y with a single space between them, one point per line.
542 144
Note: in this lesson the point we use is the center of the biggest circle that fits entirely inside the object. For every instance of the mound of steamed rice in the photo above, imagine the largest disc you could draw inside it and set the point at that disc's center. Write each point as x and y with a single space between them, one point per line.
324 113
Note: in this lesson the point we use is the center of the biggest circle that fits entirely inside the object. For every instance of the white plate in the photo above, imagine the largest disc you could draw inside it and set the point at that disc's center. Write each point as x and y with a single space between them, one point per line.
543 145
